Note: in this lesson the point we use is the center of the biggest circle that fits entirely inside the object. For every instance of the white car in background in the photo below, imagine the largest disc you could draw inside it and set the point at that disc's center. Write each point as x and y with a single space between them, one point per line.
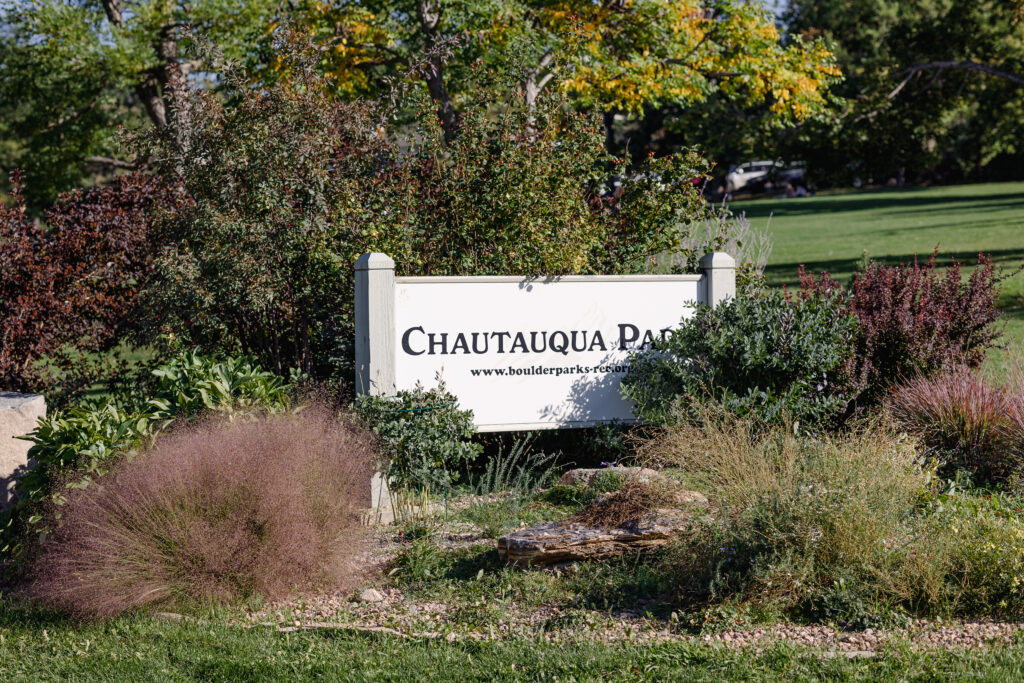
763 175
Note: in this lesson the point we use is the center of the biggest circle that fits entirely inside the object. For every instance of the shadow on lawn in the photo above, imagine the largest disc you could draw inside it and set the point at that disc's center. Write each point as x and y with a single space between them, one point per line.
888 199
843 268
26 616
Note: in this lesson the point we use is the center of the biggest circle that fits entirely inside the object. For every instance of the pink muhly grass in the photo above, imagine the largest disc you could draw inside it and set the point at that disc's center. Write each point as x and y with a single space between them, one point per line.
961 420
212 513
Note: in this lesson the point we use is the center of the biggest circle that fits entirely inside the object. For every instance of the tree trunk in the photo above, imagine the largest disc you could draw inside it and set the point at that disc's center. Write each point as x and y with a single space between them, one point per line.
429 15
159 86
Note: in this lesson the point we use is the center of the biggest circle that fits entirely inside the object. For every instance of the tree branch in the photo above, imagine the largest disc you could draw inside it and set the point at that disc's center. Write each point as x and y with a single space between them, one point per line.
110 161
967 65
429 15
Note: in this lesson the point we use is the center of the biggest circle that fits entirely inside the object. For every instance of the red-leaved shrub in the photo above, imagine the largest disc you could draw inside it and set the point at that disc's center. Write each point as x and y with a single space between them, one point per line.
964 422
915 320
70 282
212 513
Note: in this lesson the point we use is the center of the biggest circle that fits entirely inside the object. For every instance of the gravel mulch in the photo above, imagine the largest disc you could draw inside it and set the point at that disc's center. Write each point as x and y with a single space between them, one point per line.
407 616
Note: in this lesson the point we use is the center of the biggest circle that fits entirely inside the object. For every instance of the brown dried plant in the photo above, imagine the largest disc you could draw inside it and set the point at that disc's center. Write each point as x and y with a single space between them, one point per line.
627 505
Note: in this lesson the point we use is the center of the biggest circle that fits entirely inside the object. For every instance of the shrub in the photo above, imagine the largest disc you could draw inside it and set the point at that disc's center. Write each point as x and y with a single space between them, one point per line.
963 422
914 320
424 436
70 283
213 513
765 355
71 448
796 516
287 187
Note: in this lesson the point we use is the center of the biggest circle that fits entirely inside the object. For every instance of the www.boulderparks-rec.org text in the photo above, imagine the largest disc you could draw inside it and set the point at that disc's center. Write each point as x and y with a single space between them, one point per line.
555 371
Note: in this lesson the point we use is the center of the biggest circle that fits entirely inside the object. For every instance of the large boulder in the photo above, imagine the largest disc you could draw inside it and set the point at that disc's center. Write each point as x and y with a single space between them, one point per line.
570 540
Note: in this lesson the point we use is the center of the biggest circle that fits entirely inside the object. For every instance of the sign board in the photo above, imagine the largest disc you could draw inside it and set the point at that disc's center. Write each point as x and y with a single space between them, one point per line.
521 353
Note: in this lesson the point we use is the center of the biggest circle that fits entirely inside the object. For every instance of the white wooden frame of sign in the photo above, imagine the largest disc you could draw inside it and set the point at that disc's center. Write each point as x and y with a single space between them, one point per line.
411 329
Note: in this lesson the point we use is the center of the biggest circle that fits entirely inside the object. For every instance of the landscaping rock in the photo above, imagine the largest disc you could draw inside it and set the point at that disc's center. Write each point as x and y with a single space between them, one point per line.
569 540
371 595
18 416
586 476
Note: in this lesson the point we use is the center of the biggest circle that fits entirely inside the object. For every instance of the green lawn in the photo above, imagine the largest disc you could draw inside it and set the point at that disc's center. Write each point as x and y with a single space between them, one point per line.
834 232
35 647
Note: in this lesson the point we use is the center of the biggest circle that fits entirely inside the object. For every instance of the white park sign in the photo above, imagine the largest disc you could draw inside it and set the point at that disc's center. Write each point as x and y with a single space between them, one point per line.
521 353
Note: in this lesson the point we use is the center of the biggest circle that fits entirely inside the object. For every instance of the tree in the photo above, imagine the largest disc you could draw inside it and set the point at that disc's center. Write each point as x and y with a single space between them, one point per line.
74 71
935 87
619 55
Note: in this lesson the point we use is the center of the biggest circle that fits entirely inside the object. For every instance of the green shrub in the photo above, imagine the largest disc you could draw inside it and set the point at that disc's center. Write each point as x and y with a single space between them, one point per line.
425 438
71 448
286 187
765 355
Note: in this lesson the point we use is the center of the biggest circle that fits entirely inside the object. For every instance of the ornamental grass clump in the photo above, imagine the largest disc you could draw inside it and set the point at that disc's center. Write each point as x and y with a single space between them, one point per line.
964 423
794 517
213 513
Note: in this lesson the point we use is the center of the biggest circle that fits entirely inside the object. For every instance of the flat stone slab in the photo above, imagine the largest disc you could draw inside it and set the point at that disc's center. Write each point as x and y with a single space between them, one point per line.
570 541
585 476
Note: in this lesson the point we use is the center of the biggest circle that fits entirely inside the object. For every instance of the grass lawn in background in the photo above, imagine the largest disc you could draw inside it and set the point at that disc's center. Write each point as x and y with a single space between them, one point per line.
834 232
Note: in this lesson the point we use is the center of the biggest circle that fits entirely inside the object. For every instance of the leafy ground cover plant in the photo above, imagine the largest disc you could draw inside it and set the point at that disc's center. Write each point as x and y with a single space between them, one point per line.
914 319
214 512
425 439
71 448
765 354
